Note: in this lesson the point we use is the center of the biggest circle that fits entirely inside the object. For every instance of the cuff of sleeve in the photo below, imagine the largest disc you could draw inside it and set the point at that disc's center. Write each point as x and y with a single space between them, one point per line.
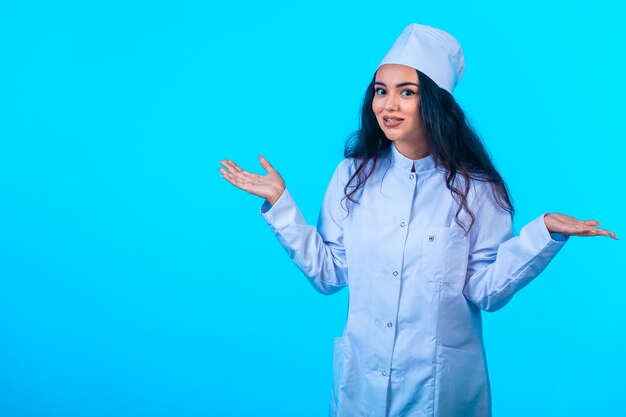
267 207
283 213
559 237
536 235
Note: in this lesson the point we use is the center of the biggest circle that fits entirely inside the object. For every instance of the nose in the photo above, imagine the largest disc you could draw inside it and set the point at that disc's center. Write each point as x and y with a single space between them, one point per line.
391 103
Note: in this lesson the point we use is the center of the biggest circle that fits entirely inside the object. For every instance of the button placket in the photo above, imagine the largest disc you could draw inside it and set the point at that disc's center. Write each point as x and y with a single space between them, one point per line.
385 322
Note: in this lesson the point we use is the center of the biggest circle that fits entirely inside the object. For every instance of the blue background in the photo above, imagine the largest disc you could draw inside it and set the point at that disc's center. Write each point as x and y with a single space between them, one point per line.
135 281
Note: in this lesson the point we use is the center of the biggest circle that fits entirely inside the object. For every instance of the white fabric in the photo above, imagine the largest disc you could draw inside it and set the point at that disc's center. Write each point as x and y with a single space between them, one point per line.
433 51
412 345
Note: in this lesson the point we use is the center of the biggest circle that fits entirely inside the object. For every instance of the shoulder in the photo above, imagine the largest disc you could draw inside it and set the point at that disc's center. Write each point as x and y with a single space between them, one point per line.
485 197
479 190
344 170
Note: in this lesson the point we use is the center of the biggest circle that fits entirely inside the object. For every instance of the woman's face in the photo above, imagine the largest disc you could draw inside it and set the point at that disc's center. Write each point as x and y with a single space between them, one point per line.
396 103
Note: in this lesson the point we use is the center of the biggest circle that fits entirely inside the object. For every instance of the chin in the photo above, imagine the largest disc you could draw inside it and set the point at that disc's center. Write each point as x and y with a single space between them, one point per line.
393 136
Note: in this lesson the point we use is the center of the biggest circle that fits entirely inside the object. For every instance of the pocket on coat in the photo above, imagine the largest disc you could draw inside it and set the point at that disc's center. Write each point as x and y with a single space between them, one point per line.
444 254
462 383
339 358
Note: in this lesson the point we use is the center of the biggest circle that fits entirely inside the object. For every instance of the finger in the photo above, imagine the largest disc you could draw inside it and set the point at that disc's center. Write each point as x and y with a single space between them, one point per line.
232 167
576 230
225 164
590 222
599 232
578 223
576 227
229 177
235 170
265 164
604 232
244 185
572 220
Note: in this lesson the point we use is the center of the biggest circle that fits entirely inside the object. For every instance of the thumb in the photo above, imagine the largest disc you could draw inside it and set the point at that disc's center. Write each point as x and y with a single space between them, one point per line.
265 164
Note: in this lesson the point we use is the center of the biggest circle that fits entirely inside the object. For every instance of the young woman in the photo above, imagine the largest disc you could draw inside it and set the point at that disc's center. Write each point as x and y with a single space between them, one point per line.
418 222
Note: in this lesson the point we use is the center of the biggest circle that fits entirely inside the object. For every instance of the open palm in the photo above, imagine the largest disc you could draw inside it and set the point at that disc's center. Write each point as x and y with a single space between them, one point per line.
568 225
269 186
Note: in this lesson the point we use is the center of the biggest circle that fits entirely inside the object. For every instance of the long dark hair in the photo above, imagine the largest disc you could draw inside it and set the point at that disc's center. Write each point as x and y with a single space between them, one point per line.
454 145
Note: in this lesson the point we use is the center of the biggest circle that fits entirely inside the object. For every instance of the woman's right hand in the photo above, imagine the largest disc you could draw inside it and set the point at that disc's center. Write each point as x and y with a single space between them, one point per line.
269 186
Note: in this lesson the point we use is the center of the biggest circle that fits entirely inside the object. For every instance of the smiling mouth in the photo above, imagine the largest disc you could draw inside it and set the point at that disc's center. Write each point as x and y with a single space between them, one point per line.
391 121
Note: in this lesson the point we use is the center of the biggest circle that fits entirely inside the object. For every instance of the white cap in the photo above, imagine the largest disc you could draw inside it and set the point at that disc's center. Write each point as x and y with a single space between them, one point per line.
432 51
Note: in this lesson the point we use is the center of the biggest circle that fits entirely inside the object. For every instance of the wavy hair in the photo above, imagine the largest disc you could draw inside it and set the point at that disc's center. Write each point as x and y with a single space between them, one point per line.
454 145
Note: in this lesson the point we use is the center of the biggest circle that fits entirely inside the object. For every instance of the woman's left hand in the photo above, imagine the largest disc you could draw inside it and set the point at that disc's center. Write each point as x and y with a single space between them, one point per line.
567 225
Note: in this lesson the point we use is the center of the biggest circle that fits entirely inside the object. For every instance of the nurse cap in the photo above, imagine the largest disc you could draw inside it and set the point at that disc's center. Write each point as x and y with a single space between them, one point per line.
432 51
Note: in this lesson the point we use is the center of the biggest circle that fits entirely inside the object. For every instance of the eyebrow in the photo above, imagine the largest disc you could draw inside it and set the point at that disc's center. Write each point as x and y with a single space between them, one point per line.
398 85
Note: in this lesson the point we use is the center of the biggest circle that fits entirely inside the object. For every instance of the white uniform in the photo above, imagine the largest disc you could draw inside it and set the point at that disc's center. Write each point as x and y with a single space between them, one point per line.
412 345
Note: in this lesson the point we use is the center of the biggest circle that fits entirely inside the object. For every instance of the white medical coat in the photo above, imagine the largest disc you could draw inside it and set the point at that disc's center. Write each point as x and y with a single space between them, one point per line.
412 344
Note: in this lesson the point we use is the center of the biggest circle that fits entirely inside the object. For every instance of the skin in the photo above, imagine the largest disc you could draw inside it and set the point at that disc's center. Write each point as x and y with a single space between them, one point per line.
397 96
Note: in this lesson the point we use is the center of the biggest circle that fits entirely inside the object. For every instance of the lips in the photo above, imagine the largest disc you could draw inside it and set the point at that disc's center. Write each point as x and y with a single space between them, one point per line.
390 121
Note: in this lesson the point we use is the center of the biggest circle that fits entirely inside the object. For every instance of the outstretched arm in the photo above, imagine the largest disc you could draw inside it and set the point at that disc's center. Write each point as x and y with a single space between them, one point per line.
317 251
500 263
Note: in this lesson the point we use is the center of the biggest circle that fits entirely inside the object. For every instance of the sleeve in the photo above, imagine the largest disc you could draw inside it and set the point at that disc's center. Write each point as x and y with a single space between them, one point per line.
318 252
500 263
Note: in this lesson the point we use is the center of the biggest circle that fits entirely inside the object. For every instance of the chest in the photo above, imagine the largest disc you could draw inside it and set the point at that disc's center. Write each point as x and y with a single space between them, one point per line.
407 225
393 207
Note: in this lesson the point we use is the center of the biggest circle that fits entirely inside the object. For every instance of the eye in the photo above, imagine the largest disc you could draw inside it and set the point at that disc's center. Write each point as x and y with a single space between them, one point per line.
407 92
379 91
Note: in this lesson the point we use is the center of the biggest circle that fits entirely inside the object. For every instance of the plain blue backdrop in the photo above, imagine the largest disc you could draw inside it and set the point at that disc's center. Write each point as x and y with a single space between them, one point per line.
134 281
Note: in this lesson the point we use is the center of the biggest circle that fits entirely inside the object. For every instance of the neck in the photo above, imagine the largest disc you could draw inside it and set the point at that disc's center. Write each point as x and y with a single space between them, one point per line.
413 150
